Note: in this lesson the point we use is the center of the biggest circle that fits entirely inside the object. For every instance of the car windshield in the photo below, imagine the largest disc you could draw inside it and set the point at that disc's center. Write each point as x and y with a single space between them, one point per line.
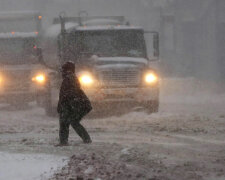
124 43
16 51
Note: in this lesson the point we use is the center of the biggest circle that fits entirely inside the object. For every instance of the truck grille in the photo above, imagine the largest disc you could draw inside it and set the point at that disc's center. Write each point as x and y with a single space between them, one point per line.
17 81
120 78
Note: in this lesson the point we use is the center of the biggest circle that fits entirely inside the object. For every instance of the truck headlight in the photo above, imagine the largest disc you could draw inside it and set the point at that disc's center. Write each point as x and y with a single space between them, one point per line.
151 78
85 78
1 79
40 78
1 82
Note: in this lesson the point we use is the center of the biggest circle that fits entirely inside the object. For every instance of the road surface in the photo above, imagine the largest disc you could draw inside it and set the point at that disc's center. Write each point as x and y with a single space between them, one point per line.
185 140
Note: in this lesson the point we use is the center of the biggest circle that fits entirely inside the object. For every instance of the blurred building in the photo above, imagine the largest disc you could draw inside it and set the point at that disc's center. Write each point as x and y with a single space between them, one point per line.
193 35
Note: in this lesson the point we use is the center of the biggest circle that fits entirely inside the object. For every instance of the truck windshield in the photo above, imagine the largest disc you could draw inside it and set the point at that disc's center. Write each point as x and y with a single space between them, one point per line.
110 43
16 51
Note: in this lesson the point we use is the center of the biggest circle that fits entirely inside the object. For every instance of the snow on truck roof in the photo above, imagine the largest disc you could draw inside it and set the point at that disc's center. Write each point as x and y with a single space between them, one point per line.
105 23
55 29
92 23
90 19
107 27
18 35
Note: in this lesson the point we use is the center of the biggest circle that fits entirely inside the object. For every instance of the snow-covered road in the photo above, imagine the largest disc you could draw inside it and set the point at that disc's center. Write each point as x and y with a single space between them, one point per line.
15 166
185 140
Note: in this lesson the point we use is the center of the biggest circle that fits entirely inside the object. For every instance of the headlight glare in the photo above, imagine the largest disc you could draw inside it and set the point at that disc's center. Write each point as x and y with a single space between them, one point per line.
86 79
39 78
1 80
151 78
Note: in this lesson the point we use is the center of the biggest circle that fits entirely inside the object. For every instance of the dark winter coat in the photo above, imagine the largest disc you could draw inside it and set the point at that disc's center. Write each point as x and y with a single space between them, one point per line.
72 97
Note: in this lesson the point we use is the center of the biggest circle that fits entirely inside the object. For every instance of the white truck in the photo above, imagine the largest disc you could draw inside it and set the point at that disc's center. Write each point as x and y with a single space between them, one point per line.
111 60
22 77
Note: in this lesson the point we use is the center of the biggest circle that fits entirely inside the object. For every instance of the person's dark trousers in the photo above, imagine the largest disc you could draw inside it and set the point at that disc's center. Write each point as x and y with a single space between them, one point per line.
64 122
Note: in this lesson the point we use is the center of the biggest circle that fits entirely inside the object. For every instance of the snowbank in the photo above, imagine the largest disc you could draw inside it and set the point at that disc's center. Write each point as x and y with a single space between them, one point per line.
28 166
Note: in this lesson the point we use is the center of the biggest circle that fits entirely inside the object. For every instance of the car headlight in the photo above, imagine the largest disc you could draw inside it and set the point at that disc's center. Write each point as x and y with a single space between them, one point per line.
86 79
150 78
40 78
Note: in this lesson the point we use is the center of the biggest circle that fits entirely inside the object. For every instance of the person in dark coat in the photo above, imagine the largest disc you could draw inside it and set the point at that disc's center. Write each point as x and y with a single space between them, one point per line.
73 105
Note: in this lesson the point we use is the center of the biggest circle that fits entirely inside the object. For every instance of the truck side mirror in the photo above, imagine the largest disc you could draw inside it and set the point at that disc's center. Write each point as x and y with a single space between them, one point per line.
152 43
156 44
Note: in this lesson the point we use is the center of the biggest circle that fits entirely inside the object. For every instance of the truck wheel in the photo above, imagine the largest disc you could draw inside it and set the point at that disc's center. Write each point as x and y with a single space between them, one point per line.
152 106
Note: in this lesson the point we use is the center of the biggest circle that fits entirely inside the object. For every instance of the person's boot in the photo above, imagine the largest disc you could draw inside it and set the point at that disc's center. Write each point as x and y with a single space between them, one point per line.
62 144
87 141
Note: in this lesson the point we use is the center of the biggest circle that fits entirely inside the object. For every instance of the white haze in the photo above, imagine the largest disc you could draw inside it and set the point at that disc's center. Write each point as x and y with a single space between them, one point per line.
189 39
186 135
